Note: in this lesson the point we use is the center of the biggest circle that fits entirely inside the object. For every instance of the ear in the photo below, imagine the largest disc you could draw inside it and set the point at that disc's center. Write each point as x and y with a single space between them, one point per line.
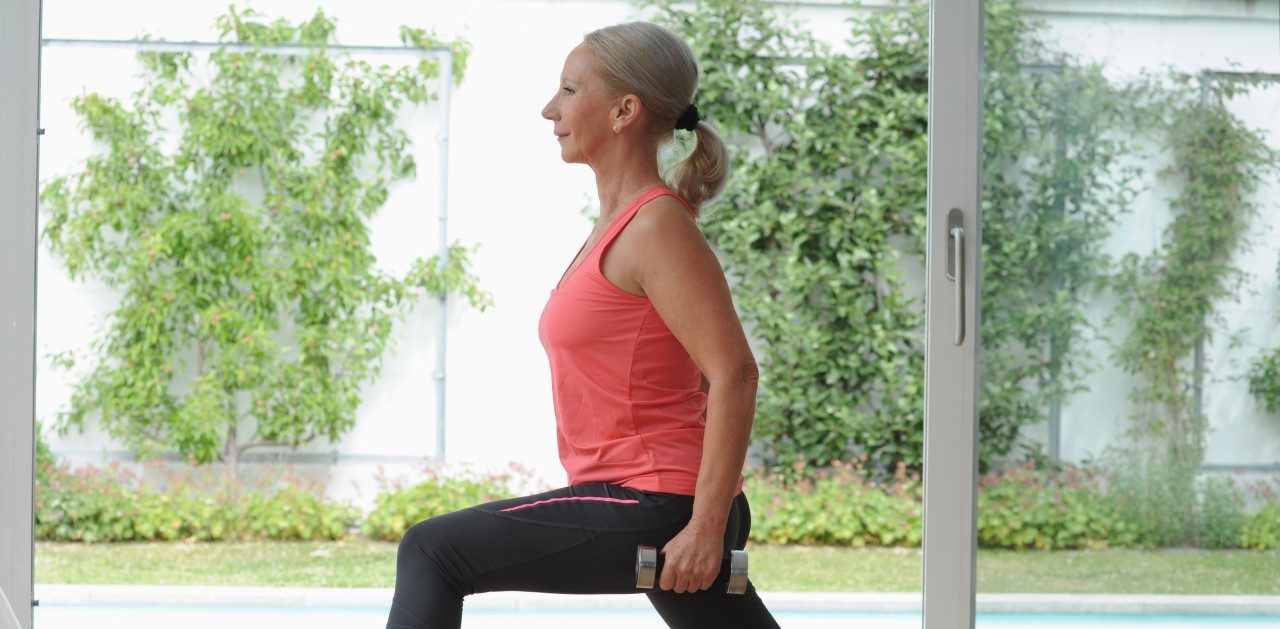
627 110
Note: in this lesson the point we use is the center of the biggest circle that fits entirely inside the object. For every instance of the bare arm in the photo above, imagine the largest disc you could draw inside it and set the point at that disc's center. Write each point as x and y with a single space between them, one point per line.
683 280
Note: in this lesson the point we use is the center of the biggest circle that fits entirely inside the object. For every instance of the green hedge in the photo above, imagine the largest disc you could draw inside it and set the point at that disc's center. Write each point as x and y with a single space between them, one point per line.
1034 508
1262 530
94 504
837 508
397 509
1021 508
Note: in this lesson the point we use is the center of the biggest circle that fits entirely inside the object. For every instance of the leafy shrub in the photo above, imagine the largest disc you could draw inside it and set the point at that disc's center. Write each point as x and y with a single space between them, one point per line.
1220 518
1027 507
1154 494
294 514
92 504
1021 508
1264 378
87 505
45 459
397 508
839 508
180 515
1262 530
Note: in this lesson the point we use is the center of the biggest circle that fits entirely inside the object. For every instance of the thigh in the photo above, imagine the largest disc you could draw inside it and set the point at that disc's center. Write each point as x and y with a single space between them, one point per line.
579 539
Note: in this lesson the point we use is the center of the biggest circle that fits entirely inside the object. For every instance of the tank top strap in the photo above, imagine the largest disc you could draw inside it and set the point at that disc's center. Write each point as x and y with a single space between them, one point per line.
672 193
630 212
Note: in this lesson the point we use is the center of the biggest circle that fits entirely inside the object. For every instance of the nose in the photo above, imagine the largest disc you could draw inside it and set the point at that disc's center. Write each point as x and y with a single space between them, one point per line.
547 110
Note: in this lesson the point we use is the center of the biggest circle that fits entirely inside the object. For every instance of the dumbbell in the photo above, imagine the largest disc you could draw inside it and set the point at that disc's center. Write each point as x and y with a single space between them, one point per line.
647 569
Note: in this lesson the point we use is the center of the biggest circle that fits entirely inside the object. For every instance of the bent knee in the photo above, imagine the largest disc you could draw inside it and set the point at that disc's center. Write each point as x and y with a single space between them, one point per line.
427 547
423 535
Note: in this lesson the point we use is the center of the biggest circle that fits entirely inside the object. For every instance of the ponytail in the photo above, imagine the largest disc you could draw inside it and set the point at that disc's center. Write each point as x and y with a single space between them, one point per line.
701 175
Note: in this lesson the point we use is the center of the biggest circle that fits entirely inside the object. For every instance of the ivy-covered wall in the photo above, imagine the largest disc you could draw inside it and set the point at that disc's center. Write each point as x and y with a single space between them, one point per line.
1078 158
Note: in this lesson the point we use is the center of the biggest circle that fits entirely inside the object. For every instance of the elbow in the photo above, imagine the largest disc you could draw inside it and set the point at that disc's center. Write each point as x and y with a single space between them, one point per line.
746 375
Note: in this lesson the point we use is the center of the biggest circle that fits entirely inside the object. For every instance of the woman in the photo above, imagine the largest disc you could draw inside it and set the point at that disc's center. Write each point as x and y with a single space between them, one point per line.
653 381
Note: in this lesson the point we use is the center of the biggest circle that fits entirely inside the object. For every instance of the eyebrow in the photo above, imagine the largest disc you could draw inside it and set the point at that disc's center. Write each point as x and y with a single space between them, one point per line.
569 78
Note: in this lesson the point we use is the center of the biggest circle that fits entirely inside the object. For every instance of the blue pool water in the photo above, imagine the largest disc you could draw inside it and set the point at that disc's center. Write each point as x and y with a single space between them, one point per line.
55 616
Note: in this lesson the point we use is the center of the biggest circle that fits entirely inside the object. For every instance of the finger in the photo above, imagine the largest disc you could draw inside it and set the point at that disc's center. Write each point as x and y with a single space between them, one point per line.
667 577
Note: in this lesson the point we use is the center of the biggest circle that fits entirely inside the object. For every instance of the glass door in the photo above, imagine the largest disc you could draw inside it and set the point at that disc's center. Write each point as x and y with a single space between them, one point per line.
1129 412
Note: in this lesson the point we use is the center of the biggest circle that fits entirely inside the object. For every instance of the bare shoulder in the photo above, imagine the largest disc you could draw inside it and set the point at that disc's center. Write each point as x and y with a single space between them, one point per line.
666 218
662 225
670 239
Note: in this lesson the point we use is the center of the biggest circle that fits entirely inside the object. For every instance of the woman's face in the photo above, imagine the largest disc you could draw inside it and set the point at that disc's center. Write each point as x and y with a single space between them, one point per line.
580 108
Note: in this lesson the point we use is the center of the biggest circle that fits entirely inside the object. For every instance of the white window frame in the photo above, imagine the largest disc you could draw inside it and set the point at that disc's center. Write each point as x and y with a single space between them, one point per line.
19 124
951 380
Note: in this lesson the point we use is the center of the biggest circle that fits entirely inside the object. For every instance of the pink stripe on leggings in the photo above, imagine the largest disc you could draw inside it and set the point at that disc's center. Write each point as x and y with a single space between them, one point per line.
602 499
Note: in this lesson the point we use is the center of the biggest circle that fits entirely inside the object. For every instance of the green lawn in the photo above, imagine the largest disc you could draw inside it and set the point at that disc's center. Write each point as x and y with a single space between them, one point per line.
362 563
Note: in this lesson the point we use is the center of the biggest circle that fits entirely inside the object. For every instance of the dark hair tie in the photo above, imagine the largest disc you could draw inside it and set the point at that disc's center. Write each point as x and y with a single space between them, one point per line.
689 119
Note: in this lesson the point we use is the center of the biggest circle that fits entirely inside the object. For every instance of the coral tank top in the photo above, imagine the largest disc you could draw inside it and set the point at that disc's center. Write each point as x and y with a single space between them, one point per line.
627 396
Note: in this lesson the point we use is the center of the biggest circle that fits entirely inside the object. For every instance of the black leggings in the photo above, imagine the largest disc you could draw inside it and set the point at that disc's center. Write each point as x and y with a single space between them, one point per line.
579 539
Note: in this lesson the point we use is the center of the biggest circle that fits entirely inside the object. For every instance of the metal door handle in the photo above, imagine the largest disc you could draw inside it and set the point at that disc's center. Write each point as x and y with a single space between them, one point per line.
955 265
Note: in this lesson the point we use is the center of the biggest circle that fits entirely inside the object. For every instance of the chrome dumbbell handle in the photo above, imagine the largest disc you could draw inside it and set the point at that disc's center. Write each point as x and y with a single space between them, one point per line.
737 572
647 569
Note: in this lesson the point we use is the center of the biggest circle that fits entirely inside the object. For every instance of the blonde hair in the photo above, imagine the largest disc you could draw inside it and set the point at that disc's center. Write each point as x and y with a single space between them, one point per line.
656 65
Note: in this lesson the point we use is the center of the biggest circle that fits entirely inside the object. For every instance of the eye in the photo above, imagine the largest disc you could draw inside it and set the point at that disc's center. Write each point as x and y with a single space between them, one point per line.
568 90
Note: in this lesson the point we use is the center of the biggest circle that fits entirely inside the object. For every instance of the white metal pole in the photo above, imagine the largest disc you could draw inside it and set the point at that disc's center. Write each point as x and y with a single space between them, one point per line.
442 140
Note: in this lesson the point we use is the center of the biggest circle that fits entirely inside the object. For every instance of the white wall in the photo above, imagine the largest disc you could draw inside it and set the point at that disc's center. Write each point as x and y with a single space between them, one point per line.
510 193
1188 36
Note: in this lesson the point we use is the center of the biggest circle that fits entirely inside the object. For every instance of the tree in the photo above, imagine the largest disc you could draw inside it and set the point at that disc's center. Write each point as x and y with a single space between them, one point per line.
255 219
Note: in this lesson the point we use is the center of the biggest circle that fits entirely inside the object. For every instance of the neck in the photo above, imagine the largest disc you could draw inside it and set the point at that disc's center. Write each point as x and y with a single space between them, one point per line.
622 177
